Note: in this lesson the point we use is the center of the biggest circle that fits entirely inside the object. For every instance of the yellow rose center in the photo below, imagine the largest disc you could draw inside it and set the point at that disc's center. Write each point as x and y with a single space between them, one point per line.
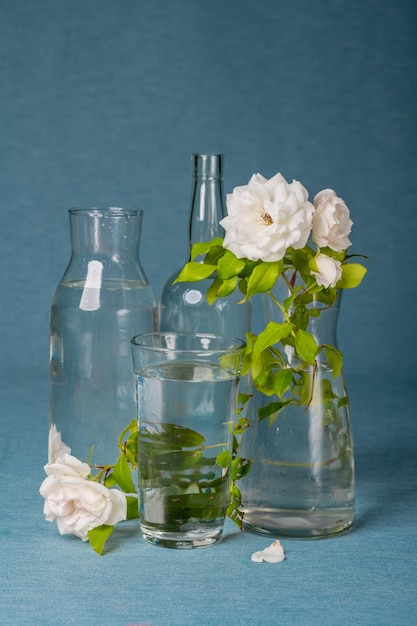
266 219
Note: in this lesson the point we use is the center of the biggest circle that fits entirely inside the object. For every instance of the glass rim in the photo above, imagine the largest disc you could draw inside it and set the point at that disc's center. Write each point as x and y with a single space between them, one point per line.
229 344
208 165
112 211
204 155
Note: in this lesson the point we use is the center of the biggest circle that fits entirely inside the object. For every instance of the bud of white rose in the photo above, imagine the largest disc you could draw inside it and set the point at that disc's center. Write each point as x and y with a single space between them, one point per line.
329 271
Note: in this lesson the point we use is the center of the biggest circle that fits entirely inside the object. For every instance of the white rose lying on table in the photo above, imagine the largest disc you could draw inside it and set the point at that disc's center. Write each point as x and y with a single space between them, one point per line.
77 504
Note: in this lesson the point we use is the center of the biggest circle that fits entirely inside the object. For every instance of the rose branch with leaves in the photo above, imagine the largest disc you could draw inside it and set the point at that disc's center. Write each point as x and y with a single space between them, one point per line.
274 233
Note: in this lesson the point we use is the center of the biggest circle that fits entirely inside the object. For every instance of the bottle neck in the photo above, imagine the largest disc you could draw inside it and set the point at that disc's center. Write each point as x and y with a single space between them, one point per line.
207 198
105 244
110 232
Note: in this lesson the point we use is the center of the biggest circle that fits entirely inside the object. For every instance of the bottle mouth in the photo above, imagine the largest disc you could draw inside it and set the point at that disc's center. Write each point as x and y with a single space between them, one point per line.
208 165
105 212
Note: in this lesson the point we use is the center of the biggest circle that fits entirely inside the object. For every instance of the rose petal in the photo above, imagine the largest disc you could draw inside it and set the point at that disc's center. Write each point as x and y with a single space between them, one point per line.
273 554
56 447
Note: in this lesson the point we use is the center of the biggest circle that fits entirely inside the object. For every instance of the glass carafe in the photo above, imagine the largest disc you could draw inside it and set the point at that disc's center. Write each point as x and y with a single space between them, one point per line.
101 302
301 482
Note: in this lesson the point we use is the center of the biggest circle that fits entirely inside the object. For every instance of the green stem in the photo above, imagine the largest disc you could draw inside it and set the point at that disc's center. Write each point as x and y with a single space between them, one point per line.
302 293
313 379
104 470
279 305
214 445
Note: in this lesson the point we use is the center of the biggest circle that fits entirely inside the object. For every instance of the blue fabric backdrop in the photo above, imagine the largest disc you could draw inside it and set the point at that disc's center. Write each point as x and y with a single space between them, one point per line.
102 103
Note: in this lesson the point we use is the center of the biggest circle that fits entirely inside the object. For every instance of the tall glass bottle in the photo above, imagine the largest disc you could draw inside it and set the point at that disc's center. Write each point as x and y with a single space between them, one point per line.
183 306
101 302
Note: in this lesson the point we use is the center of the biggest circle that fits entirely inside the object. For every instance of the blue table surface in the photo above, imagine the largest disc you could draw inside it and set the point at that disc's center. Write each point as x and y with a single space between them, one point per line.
367 576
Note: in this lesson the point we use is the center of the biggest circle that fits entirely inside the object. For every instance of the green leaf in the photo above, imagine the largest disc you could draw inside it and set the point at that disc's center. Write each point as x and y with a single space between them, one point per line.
98 537
243 286
352 276
339 256
132 507
300 260
243 399
110 481
263 365
227 287
335 359
224 458
249 267
288 302
325 391
326 296
306 346
282 381
229 265
272 410
247 355
343 402
233 511
181 508
259 365
302 388
172 436
203 247
272 334
212 292
240 467
300 317
213 255
193 272
173 461
132 428
130 448
263 277
123 475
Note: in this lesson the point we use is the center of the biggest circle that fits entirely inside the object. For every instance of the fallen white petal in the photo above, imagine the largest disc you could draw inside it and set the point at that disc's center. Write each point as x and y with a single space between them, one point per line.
273 554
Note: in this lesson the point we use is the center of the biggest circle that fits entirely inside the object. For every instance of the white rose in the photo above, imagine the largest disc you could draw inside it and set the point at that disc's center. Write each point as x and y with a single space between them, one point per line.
266 217
329 271
75 503
331 221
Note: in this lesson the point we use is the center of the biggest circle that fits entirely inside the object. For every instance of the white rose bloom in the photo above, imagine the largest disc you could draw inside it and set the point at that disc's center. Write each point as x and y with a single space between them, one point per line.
331 221
75 503
329 270
266 217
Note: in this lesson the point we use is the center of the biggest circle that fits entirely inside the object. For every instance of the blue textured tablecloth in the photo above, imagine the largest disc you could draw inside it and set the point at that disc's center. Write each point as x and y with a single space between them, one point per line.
365 577
102 103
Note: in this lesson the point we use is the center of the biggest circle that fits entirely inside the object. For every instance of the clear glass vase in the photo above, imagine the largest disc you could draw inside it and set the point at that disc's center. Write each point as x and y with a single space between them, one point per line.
101 302
301 482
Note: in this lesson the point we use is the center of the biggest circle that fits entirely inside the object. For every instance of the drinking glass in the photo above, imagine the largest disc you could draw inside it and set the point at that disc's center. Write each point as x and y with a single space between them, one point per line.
186 387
